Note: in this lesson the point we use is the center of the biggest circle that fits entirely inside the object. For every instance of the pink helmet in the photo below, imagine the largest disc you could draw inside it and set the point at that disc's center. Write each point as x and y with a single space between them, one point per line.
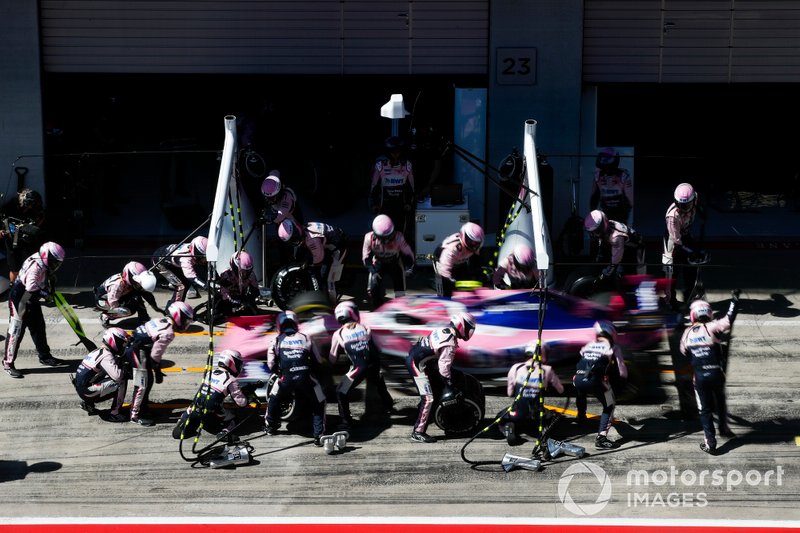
131 269
198 246
271 185
471 236
231 360
594 221
52 255
115 339
684 195
700 311
241 263
604 328
346 312
181 314
464 324
523 256
382 227
288 231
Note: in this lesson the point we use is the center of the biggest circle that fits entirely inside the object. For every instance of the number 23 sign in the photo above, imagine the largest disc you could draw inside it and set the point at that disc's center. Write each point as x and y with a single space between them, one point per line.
516 66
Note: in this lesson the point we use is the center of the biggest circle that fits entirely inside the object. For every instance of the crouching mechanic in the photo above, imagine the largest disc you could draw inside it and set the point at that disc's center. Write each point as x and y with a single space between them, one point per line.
701 343
615 242
125 293
24 308
438 347
591 378
526 382
386 253
144 354
292 356
208 410
238 286
517 270
355 339
101 374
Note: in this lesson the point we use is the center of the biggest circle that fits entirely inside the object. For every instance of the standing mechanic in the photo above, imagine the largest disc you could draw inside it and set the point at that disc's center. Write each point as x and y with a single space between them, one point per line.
181 266
591 378
680 248
392 189
355 339
24 308
440 347
144 353
386 253
457 258
615 242
612 187
701 343
292 356
322 245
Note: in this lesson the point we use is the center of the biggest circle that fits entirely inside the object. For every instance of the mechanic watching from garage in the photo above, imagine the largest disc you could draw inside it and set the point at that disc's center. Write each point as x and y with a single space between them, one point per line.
355 339
386 253
431 358
527 380
392 189
680 248
292 356
458 258
591 378
615 242
612 187
24 308
517 270
701 343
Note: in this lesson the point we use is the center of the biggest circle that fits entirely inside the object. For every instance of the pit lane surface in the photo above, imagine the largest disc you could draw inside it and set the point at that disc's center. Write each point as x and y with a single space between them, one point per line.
56 461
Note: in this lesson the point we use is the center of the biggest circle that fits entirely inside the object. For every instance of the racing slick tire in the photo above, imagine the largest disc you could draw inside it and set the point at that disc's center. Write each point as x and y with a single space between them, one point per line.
291 281
465 416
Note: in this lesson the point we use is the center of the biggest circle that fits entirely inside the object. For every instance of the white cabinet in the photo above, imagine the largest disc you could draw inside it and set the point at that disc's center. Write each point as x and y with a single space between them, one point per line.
433 224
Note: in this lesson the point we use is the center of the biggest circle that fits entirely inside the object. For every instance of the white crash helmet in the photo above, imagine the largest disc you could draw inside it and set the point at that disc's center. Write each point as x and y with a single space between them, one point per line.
131 269
52 255
182 315
346 312
382 227
198 247
684 196
700 311
115 339
464 324
231 360
145 281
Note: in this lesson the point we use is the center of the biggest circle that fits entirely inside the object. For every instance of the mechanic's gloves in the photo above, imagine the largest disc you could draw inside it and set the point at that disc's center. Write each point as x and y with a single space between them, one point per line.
450 394
733 308
609 271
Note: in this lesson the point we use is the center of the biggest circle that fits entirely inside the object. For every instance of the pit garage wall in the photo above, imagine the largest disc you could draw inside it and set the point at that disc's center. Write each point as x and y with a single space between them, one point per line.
535 56
20 96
